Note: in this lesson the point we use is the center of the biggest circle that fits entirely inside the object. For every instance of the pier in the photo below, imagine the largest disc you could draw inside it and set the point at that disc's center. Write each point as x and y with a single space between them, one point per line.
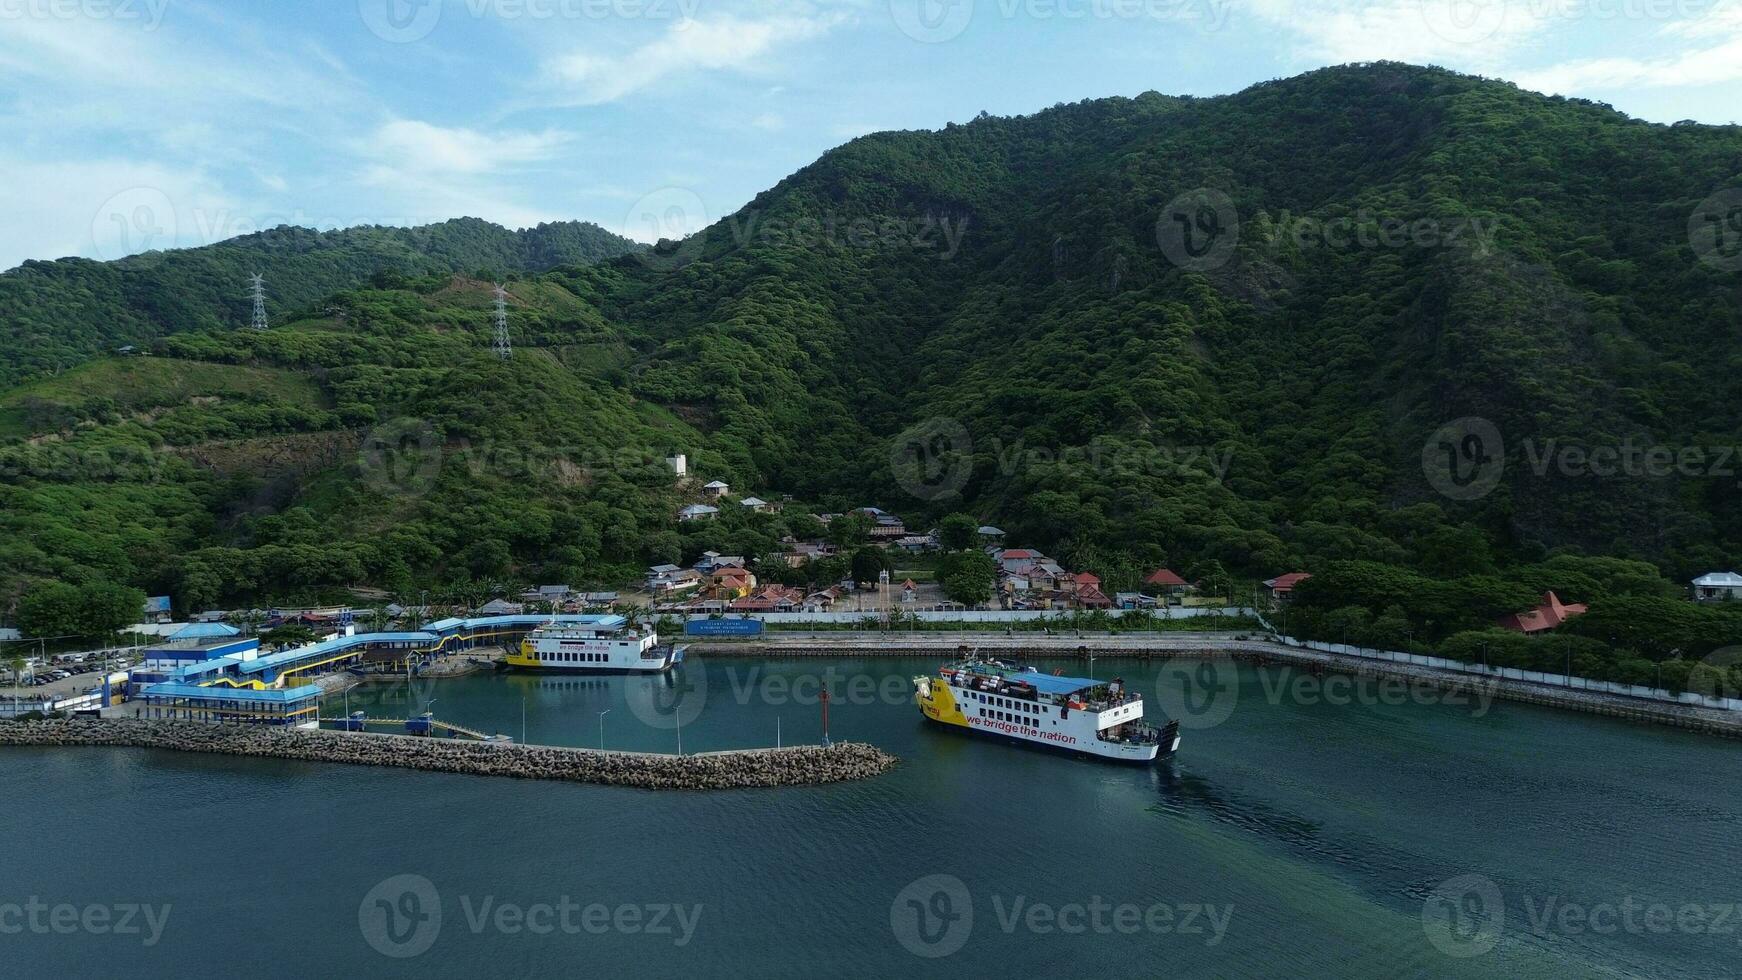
738 769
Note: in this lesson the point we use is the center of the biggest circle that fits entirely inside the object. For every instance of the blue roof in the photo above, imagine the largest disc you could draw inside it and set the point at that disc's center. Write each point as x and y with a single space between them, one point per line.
171 689
429 634
215 666
195 631
1052 684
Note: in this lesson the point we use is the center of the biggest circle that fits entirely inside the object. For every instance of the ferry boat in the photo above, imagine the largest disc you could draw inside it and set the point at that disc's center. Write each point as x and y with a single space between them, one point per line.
1077 714
605 647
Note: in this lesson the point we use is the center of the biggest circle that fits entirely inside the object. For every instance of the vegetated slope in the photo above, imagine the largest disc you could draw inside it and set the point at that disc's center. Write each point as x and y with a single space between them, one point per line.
56 314
1414 247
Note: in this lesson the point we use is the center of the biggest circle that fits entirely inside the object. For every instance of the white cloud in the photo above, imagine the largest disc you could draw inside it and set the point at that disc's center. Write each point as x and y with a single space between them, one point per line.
421 172
1712 64
1474 33
105 209
721 44
411 145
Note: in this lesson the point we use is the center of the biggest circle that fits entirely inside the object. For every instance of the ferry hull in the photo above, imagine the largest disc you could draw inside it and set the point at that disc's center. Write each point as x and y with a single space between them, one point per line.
1157 752
937 702
522 667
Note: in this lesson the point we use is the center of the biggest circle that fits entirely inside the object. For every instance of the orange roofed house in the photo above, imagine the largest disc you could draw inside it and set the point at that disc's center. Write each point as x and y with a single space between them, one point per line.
1547 616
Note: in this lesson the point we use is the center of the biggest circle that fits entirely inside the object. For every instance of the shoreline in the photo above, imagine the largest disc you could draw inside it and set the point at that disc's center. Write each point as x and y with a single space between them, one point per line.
1171 646
804 765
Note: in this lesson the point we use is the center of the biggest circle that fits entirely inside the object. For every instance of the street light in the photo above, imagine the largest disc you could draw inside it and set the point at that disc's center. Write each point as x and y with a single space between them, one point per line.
602 715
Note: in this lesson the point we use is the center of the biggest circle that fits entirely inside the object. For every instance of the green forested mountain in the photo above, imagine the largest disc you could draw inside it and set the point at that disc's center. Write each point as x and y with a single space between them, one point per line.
56 314
1054 314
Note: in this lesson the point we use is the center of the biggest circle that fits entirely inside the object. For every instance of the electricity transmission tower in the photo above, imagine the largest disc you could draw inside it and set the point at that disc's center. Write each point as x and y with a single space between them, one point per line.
259 294
503 349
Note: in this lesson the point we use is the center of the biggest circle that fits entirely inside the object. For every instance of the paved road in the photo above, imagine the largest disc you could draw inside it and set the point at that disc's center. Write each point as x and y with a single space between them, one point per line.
988 641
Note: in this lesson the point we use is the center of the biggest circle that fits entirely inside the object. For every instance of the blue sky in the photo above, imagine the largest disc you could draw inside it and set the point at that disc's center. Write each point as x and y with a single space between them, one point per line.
133 124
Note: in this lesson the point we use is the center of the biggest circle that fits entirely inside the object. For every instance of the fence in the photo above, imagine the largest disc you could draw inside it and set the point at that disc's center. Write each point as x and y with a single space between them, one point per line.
976 615
1570 682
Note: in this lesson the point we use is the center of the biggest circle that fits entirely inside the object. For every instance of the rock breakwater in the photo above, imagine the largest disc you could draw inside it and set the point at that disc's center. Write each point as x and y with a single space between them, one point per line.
794 766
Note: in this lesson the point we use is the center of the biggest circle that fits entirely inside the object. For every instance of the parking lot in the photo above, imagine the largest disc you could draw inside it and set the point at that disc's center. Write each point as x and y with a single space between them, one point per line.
81 677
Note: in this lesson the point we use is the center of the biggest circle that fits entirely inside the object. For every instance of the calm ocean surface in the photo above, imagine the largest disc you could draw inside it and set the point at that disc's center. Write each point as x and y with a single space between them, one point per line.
1306 833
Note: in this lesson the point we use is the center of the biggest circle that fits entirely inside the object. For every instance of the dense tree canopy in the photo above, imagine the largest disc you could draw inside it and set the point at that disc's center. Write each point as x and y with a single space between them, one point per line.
975 325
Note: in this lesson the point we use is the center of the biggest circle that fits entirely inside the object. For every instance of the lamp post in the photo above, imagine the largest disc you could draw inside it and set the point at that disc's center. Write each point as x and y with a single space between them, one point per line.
607 711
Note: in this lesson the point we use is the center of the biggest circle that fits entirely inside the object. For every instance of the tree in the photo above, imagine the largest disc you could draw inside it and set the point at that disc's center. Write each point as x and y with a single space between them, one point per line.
96 610
849 530
869 564
968 577
290 634
958 532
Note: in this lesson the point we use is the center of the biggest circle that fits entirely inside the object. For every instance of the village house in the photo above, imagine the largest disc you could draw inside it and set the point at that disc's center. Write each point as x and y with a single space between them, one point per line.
884 525
1718 587
729 582
713 560
801 552
717 488
1086 587
1134 600
698 512
558 594
500 607
915 544
990 535
1046 575
1164 582
1546 616
1017 561
1281 588
757 504
771 598
823 600
666 579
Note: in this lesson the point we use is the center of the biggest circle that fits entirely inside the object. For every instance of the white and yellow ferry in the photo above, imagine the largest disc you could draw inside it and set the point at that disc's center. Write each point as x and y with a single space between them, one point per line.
1077 714
606 645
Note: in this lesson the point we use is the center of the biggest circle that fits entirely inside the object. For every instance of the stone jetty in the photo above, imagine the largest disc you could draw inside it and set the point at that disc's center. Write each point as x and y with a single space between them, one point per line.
792 766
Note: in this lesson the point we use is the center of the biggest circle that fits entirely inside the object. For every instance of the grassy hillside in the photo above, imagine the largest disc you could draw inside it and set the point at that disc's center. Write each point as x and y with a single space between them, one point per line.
57 314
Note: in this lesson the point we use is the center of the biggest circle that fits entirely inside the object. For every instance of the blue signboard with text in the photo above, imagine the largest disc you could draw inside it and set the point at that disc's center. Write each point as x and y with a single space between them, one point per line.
723 627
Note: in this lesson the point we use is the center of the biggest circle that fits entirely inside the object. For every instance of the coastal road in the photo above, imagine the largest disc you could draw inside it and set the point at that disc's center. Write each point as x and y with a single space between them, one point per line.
897 642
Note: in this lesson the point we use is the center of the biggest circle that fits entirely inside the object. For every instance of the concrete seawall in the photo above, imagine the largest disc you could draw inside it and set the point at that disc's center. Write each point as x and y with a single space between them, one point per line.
1162 646
793 766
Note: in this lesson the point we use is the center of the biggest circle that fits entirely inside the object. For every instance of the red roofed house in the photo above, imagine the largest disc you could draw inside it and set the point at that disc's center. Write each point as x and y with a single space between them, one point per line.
1163 581
1018 561
771 598
1547 616
1091 596
1282 587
